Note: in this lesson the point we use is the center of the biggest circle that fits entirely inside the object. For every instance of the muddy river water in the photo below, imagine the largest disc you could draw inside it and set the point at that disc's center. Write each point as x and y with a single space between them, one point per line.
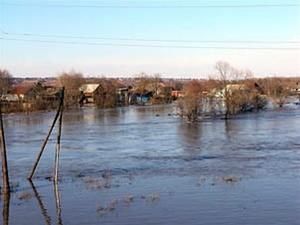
142 165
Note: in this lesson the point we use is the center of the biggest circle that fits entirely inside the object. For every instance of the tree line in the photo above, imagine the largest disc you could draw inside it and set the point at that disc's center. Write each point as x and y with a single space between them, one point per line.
230 91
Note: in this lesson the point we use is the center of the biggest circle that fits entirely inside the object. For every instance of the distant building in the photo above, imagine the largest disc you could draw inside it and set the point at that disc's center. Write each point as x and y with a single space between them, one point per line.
10 98
296 88
230 88
177 94
27 90
123 96
140 99
89 92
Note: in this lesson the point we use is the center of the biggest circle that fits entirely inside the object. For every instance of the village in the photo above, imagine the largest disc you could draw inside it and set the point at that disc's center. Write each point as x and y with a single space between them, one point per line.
30 94
126 112
221 95
193 99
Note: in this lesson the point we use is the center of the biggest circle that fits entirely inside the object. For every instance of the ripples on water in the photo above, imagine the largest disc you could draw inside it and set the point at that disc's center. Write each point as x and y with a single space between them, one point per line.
164 154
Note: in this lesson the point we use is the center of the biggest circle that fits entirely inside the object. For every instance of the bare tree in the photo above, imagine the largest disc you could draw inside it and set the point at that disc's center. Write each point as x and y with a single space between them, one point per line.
191 104
106 94
5 81
141 83
277 90
225 74
145 83
235 92
71 81
156 79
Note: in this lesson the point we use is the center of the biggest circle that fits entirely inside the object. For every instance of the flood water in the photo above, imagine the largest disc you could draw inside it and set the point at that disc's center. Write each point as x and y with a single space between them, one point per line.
142 165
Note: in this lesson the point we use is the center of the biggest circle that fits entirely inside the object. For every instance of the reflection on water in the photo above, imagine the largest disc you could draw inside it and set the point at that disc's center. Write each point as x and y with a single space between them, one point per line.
42 207
96 140
190 134
145 150
57 203
230 129
5 210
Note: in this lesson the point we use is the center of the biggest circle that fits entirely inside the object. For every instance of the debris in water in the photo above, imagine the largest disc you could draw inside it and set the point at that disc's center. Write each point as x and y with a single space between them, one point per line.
100 208
79 175
112 205
107 174
231 179
48 178
25 196
14 186
154 197
97 183
128 199
143 197
108 208
201 181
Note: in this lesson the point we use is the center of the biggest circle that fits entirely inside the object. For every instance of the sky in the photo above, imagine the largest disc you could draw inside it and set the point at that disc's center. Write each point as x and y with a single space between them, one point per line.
172 41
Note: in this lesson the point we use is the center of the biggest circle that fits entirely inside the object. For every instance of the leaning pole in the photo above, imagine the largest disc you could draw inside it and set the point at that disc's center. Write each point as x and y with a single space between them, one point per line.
6 188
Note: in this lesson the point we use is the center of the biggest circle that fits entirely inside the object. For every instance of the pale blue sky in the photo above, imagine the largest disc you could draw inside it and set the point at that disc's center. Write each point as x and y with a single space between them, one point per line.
214 24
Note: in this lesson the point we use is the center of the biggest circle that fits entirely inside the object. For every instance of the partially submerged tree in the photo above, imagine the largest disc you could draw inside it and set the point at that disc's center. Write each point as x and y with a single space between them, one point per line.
225 73
191 104
254 97
146 83
5 81
233 88
153 86
106 95
72 82
276 89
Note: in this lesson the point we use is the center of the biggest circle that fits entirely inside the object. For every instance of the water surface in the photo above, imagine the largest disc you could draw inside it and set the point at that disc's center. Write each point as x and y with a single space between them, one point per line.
154 168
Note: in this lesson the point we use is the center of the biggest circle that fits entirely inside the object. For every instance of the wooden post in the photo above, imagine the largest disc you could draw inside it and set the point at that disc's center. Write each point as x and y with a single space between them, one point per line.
56 166
6 188
46 140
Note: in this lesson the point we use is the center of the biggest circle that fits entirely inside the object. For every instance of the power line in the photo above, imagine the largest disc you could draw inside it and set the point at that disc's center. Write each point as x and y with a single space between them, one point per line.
152 6
147 40
149 46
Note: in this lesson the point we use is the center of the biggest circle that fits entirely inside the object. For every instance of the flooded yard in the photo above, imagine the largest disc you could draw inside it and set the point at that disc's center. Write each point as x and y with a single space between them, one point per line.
142 165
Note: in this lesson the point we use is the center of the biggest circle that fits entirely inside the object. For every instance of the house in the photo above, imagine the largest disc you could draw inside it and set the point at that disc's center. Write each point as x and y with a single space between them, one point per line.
9 98
51 93
89 92
123 95
30 91
26 91
230 88
296 88
140 98
177 94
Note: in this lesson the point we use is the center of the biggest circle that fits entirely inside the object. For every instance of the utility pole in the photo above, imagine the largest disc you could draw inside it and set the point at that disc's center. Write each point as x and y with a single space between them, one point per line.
6 188
57 151
57 116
